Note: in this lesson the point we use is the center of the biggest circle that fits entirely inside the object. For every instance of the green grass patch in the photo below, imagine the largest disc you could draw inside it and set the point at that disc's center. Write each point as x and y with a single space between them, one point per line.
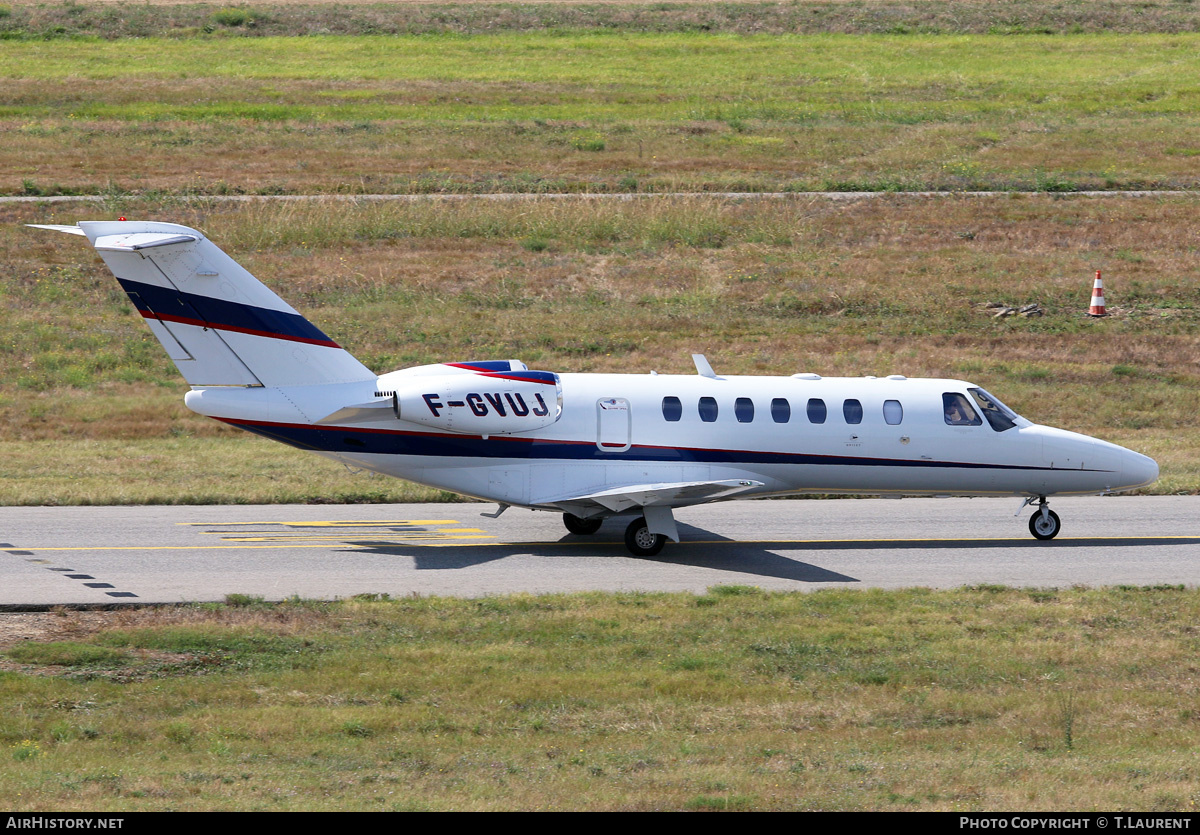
65 654
845 699
599 111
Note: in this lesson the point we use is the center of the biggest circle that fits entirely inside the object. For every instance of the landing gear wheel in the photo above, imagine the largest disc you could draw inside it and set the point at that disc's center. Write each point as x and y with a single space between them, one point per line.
581 527
639 540
1044 528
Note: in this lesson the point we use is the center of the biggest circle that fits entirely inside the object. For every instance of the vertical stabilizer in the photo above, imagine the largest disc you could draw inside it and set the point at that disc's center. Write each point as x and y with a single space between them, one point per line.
218 323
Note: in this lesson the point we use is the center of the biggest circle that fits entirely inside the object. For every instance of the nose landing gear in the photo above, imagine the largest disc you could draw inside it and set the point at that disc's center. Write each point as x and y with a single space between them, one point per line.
1044 523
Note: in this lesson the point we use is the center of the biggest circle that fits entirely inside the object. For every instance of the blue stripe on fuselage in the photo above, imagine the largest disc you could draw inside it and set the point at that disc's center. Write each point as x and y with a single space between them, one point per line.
205 311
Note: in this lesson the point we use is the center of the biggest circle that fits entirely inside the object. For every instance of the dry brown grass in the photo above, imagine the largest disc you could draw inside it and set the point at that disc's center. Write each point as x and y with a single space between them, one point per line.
840 287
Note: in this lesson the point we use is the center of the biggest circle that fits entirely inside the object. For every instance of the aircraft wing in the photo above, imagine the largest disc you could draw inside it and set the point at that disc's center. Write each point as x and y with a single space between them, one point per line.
663 494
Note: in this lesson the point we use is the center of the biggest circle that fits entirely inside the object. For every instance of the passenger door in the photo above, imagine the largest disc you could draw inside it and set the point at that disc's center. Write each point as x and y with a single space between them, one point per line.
614 424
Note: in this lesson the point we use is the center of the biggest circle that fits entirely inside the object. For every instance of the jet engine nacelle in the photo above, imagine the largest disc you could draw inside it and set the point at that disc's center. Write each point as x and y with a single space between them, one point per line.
491 403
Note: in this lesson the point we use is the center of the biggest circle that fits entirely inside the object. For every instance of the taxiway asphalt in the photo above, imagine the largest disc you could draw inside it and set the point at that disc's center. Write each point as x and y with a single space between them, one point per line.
140 555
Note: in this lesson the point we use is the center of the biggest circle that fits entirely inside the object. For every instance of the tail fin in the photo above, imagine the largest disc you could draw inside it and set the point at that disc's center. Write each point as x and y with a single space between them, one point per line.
219 324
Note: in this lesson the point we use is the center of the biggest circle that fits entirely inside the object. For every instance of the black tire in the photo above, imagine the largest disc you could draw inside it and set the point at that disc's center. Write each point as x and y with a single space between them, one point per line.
1047 528
581 527
639 540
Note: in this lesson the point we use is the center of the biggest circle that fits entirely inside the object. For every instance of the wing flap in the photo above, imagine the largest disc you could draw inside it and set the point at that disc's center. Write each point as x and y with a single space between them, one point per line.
663 494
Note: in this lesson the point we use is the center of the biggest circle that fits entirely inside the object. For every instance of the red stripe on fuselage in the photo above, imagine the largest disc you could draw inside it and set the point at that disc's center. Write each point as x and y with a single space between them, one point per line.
516 375
200 323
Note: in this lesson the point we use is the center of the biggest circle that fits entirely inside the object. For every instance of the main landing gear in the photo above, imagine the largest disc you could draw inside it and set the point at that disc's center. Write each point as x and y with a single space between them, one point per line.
1044 523
582 527
638 538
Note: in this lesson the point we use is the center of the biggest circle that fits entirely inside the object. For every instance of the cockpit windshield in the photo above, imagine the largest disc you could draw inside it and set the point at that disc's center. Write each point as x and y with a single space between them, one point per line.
998 415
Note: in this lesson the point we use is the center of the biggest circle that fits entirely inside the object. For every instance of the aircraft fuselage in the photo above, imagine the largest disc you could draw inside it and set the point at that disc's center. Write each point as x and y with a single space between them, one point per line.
792 434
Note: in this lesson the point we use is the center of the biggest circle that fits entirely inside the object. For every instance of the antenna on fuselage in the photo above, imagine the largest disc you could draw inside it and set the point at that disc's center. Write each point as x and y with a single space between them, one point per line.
703 368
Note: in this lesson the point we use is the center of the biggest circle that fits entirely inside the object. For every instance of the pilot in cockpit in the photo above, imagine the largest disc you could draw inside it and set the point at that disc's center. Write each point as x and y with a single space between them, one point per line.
958 411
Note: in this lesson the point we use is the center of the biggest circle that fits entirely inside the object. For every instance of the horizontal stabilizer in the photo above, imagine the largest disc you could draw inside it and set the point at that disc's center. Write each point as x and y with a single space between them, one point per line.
125 242
675 494
136 243
55 227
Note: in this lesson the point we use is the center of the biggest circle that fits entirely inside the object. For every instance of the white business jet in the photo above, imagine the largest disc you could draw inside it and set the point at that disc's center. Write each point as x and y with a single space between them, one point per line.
588 446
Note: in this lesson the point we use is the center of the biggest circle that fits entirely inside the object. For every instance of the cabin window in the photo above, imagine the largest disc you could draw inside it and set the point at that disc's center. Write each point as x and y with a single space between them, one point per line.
998 415
816 410
708 409
957 410
893 412
743 409
852 410
672 408
781 410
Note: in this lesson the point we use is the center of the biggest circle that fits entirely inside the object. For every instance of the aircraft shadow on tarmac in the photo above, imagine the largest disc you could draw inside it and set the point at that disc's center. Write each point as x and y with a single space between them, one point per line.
701 548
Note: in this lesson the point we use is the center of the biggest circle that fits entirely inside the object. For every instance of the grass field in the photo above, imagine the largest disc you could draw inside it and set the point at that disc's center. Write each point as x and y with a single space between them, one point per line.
597 111
979 699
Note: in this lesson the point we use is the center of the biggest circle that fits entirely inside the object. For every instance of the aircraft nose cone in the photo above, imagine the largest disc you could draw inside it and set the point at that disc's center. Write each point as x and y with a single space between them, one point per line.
1139 470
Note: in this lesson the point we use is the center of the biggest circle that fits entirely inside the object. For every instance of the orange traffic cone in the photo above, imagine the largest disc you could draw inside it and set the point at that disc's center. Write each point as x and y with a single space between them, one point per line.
1097 308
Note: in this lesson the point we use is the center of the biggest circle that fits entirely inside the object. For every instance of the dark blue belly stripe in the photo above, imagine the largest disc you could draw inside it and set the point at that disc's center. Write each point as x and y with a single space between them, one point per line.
400 442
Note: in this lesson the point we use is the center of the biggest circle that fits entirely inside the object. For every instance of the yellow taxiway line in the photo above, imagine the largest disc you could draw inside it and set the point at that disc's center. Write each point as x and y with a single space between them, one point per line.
431 543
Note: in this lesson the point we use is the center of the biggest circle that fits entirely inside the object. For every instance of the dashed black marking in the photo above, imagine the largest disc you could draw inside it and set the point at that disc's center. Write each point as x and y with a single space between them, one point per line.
68 573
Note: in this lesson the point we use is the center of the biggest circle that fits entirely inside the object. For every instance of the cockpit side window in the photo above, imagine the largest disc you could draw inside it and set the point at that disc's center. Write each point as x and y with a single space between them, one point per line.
958 410
998 415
